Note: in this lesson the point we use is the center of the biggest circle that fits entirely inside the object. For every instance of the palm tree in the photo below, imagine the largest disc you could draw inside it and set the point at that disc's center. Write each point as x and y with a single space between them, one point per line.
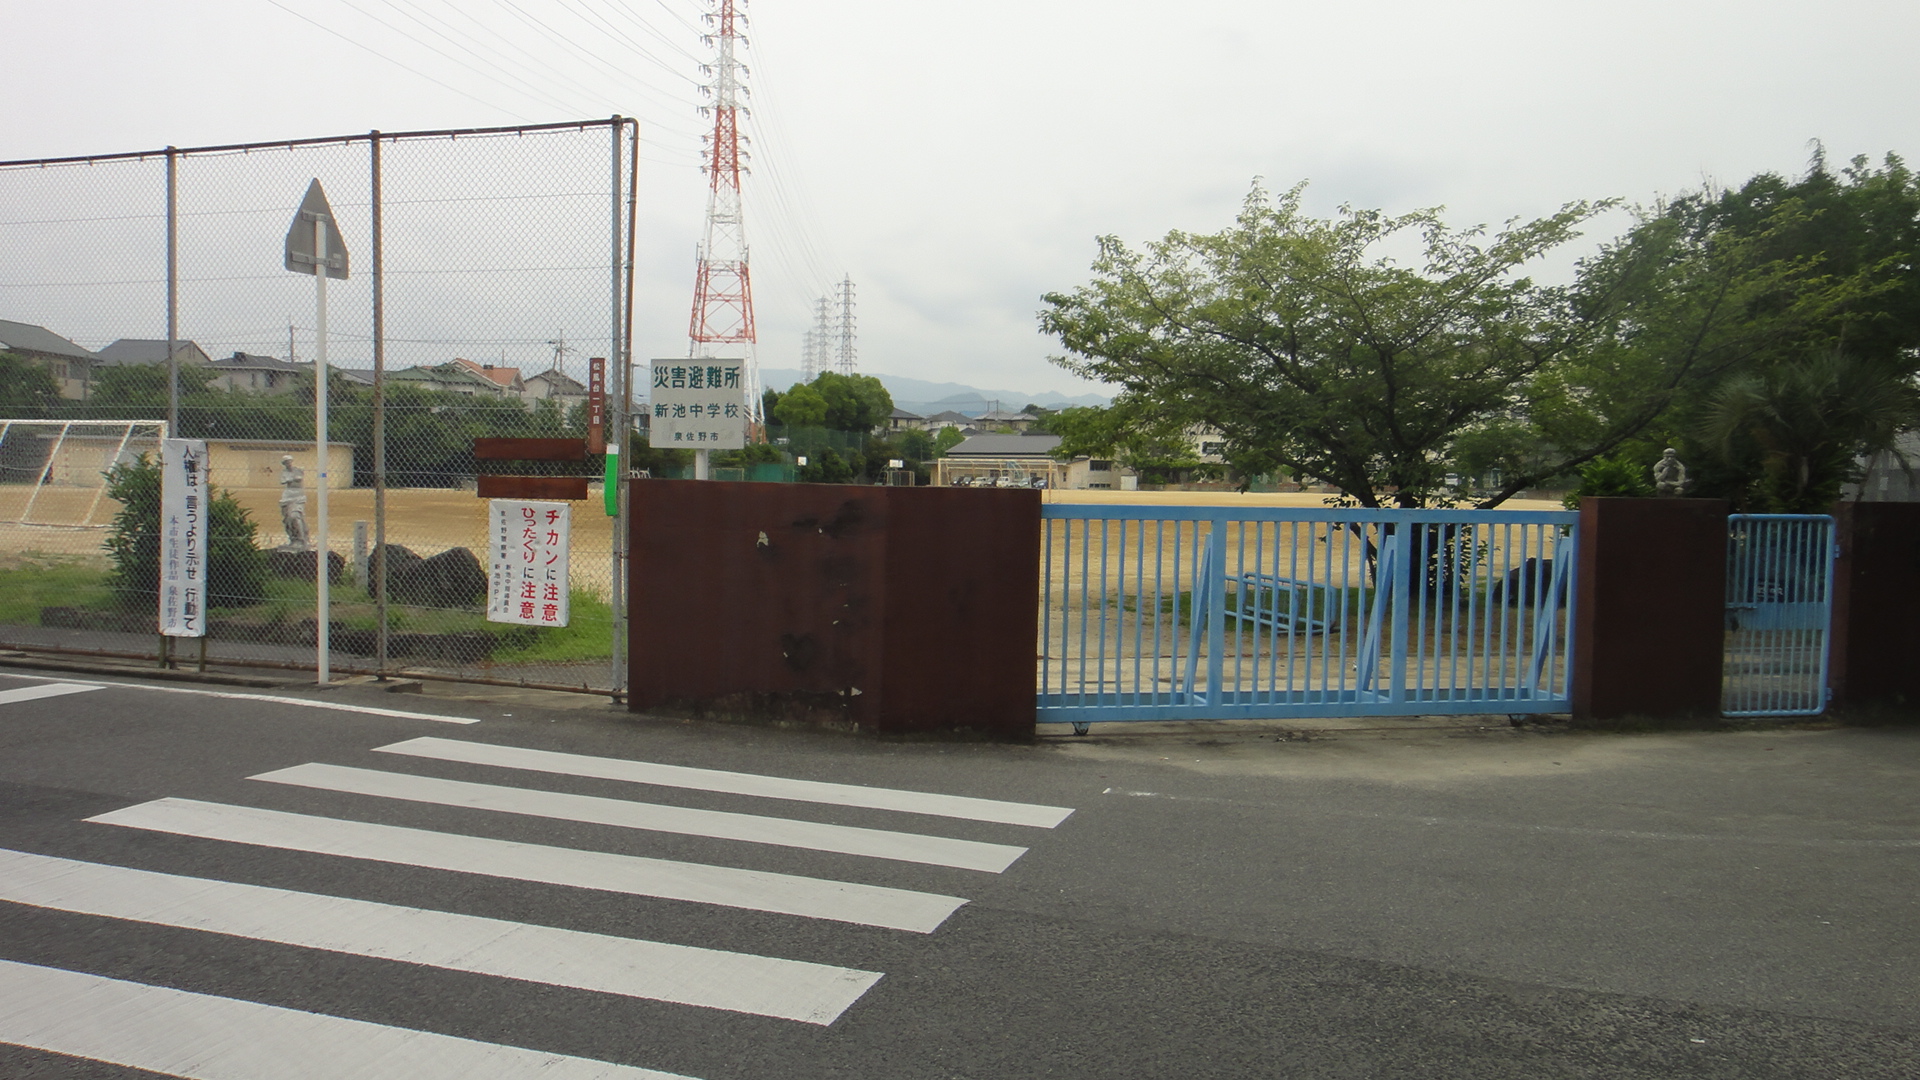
1798 428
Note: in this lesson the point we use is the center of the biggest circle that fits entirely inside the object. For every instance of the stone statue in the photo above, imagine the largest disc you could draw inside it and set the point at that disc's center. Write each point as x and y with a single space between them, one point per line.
293 505
1669 475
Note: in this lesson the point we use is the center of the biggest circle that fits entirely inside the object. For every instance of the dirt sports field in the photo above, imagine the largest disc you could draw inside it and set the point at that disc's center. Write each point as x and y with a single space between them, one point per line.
72 521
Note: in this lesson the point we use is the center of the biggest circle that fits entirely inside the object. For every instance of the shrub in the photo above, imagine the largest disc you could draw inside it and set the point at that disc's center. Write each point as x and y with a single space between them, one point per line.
1614 477
236 567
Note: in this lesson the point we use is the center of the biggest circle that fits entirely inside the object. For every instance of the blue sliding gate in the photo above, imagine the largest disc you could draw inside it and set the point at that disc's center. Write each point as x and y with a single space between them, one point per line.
1213 613
1779 614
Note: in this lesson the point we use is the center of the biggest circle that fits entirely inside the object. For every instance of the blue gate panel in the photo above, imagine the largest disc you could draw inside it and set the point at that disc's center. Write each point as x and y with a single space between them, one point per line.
1779 611
1164 613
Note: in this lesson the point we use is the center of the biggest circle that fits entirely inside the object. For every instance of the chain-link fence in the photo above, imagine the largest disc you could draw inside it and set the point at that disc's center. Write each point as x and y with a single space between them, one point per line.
486 268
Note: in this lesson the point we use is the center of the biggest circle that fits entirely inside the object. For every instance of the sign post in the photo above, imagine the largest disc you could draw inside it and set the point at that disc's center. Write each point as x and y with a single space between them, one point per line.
184 515
314 247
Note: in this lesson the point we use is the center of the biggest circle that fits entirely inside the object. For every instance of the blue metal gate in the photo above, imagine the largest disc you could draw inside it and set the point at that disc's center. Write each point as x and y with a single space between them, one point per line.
1779 614
1210 613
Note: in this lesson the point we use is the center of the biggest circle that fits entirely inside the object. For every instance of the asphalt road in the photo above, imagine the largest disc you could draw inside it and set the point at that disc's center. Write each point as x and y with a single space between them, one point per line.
1227 903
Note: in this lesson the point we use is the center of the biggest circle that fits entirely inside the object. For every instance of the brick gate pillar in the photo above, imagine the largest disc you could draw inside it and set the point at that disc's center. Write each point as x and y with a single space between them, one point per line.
1652 608
1876 636
890 609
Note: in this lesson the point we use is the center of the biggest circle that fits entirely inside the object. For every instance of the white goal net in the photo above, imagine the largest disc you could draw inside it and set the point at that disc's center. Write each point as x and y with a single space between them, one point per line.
53 473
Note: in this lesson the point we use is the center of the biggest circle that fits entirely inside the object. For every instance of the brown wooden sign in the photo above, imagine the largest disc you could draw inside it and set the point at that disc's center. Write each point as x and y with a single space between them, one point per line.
597 405
533 487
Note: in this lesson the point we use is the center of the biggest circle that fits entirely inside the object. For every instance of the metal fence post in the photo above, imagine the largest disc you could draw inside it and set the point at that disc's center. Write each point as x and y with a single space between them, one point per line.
379 426
616 280
173 291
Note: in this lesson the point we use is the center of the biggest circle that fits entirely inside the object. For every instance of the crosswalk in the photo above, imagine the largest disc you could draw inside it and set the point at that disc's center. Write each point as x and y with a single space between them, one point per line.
207 1037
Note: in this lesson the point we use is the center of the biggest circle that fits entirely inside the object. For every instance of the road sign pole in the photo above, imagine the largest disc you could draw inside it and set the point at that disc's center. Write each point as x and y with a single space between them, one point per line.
322 555
327 258
700 466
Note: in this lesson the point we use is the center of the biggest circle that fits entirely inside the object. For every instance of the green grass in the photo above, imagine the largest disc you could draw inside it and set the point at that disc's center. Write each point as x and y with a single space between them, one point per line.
33 581
588 635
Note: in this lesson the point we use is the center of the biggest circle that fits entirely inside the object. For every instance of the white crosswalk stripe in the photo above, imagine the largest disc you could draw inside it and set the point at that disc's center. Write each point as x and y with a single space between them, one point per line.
43 691
218 1038
736 783
737 982
203 1037
786 894
875 843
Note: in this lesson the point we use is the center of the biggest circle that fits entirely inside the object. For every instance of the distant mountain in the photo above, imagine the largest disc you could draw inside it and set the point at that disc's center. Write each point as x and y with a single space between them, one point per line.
927 398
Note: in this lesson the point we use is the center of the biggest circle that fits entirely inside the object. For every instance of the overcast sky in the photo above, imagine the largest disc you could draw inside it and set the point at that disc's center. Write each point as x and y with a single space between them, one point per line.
958 160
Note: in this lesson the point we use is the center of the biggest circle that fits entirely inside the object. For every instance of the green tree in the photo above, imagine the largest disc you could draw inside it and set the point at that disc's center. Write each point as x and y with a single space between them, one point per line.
236 567
1148 442
1795 431
947 438
1312 352
27 390
826 466
801 406
856 403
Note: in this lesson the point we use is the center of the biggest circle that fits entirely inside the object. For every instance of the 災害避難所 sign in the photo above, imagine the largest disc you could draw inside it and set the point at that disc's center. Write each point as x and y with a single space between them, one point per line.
698 404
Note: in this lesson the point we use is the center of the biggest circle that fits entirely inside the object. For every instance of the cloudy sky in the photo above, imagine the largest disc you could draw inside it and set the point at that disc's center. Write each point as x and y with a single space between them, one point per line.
958 160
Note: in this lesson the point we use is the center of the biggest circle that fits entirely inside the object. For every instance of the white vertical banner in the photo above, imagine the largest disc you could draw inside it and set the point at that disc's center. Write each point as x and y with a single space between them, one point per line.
527 572
183 537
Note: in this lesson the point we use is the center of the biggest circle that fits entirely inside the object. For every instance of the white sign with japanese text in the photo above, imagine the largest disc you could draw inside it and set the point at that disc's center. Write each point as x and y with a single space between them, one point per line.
527 573
698 404
183 537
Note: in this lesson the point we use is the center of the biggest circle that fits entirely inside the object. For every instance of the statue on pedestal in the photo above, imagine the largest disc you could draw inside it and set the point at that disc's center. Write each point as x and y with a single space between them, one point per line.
293 505
1669 475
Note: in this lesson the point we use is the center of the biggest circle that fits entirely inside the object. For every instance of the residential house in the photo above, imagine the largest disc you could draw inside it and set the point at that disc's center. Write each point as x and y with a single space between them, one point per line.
507 377
555 384
901 420
129 351
450 378
949 419
251 374
70 365
995 419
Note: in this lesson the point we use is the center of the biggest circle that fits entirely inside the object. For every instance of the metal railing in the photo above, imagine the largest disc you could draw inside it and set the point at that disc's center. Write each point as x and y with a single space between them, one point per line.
1166 613
1779 614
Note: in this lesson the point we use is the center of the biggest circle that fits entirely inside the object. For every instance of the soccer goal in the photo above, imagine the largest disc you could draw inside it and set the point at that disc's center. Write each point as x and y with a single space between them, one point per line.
53 473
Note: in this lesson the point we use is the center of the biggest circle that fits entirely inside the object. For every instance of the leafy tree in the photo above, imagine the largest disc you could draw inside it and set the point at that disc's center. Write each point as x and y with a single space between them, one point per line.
236 568
801 406
854 402
1150 443
826 466
1311 352
1796 430
947 438
27 390
916 446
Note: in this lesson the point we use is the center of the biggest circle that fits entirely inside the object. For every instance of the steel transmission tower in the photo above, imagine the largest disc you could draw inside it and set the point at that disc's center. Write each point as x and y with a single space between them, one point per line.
845 354
723 290
817 354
